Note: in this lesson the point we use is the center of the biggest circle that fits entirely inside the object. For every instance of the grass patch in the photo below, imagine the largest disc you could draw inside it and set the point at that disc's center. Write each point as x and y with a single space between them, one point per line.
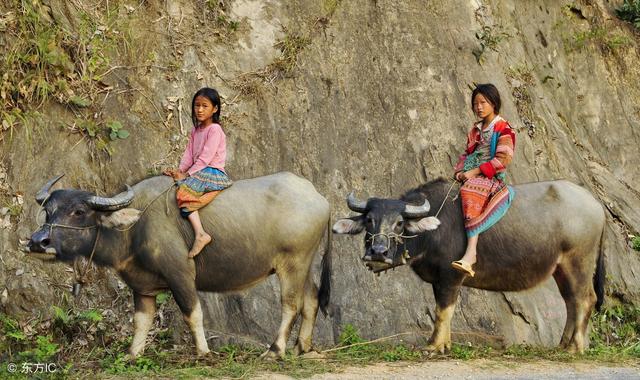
55 338
43 61
607 40
290 47
469 352
330 6
617 327
251 83
630 11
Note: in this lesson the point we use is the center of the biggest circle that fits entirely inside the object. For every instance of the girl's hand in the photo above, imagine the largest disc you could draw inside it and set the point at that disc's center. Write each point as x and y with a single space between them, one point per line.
463 176
473 173
177 175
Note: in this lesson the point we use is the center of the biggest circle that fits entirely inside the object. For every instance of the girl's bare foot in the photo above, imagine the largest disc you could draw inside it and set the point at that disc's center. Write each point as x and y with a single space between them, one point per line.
198 244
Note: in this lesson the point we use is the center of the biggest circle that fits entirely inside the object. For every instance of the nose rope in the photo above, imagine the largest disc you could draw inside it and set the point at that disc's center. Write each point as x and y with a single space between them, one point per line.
390 236
149 204
398 238
447 197
81 278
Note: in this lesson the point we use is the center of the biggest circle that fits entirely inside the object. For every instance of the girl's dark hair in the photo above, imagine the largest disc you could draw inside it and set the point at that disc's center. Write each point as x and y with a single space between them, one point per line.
213 96
490 92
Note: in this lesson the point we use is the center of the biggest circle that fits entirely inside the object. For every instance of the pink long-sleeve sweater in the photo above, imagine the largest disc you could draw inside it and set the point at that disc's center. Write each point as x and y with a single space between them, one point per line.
206 147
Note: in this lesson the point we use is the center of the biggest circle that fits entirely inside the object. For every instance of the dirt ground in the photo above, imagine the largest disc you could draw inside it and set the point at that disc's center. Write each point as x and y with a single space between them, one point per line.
482 369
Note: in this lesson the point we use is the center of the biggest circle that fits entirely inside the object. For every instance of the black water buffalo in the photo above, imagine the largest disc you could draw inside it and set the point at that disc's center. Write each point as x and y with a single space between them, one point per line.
260 226
552 228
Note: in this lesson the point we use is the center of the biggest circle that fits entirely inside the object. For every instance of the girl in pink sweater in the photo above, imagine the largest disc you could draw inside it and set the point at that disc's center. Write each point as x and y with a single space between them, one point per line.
201 173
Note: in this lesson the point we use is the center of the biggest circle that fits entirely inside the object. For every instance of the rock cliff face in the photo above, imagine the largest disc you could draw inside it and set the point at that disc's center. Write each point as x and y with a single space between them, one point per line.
363 95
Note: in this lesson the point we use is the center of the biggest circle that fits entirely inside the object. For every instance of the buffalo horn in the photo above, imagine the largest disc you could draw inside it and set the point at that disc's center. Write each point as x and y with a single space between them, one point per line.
356 204
411 211
114 203
44 192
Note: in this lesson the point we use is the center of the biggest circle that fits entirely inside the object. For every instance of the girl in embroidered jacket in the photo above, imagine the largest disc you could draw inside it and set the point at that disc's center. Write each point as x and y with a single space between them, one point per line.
201 174
481 169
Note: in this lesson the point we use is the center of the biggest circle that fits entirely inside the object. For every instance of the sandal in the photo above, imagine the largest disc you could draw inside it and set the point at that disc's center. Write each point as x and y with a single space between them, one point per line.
464 267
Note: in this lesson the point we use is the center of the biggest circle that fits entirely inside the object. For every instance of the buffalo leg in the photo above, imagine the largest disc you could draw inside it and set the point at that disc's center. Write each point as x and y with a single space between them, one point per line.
446 296
569 299
585 302
145 310
309 313
187 299
575 283
292 282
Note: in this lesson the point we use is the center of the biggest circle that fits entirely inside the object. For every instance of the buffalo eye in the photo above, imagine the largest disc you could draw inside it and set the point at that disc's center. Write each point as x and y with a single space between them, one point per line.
78 212
399 226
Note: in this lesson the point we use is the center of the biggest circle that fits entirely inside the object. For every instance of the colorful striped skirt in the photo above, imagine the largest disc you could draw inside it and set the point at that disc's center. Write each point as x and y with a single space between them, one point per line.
484 202
199 189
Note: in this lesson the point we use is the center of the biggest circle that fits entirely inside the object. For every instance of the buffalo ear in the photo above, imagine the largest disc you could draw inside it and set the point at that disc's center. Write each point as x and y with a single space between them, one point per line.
120 219
353 225
421 225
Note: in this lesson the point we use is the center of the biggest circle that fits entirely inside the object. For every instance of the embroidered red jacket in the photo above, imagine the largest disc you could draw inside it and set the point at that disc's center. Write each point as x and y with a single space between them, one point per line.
504 149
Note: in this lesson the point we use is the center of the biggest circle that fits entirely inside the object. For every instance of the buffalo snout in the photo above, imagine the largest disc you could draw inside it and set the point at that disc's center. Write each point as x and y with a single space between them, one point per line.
378 252
379 249
39 241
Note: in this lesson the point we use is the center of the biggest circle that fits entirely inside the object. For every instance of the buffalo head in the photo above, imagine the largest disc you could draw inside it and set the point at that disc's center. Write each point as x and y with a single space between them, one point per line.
73 217
387 223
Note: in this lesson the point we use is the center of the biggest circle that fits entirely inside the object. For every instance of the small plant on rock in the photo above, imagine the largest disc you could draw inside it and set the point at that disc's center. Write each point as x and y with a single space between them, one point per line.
490 38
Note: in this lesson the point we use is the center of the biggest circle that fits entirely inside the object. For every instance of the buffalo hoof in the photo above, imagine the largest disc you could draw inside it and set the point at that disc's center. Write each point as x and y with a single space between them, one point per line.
202 353
438 348
573 349
270 354
313 355
301 349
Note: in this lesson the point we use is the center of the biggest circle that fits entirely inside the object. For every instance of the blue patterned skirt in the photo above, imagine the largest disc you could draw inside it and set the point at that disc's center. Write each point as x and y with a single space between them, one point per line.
199 189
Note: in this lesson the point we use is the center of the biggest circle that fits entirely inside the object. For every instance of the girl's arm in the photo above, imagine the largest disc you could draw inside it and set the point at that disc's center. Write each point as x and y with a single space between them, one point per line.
460 165
214 137
187 157
503 157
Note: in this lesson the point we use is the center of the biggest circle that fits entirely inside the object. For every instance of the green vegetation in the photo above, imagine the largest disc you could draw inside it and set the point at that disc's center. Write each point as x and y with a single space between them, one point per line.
250 84
610 41
635 242
14 209
469 352
162 298
223 24
43 61
117 131
617 326
296 39
489 37
64 337
352 348
290 46
630 11
330 6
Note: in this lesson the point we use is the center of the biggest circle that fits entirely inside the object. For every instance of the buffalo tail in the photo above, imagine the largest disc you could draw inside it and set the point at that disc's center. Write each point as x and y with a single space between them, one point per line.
324 294
599 276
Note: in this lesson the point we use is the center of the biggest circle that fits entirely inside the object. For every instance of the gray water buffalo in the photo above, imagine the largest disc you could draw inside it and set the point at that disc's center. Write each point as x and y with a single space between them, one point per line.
552 228
260 226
